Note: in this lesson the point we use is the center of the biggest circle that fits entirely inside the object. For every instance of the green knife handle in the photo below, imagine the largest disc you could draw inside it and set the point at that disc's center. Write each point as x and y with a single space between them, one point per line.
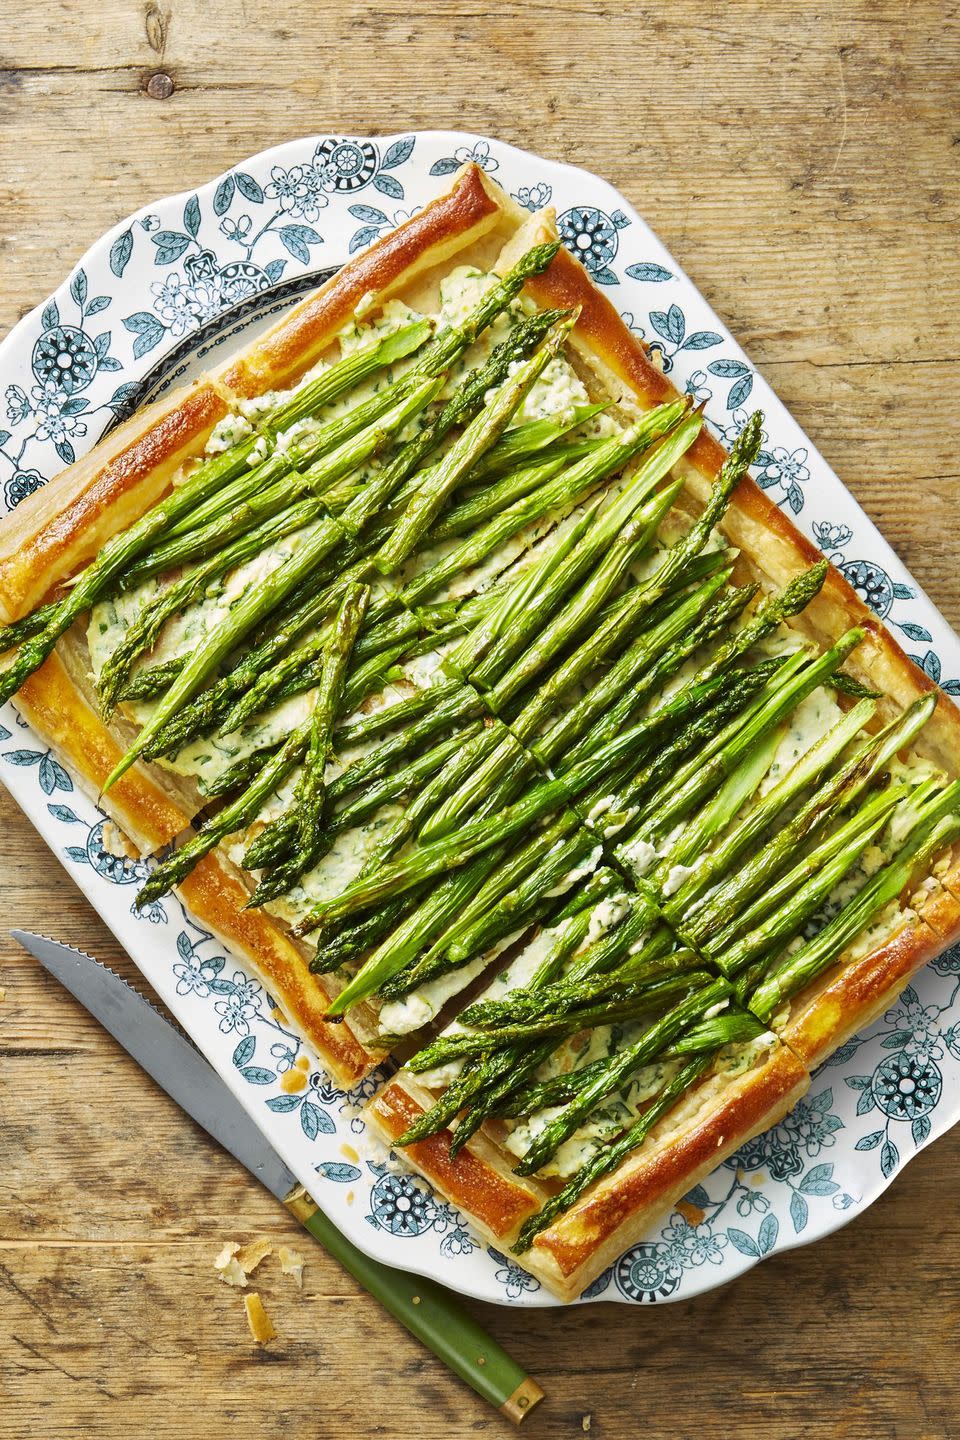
431 1313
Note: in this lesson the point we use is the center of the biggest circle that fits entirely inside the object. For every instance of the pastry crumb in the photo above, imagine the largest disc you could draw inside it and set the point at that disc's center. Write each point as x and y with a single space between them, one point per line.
251 1255
261 1327
586 1422
3 994
291 1263
236 1262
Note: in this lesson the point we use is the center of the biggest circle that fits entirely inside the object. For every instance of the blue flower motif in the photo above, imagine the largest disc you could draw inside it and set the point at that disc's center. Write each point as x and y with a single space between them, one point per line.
510 1276
783 467
648 1272
479 154
871 583
298 190
916 1026
283 1056
18 406
240 1006
949 962
534 197
831 537
906 1086
592 237
458 1242
750 1200
51 409
65 356
698 388
21 484
399 1205
692 1245
153 912
344 164
150 222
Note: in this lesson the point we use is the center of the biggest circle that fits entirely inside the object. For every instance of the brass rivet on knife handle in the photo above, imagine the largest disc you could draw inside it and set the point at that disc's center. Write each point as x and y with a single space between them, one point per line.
518 1405
301 1205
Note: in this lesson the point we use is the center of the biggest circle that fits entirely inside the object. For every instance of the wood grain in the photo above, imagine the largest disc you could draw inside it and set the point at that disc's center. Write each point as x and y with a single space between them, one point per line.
802 163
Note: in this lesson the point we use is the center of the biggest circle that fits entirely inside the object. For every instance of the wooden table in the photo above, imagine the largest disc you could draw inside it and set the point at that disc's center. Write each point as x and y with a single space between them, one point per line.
801 162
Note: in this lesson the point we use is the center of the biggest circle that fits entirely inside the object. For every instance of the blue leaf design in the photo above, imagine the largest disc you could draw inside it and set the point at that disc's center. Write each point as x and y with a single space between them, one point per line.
743 1242
620 220
728 369
274 269
369 213
818 1181
951 687
148 330
314 1121
244 1052
257 1075
120 252
799 1212
795 499
903 592
184 946
399 151
74 406
78 287
223 195
66 451
191 216
649 271
740 393
869 1142
445 166
858 1082
910 996
605 276
170 246
767 1234
334 1170
920 1129
24 757
98 303
249 188
51 316
123 393
298 239
101 344
387 185
931 664
363 237
64 814
78 854
222 987
823 1102
47 776
889 1158
283 1104
916 632
865 1102
896 1039
108 363
698 1196
701 340
664 322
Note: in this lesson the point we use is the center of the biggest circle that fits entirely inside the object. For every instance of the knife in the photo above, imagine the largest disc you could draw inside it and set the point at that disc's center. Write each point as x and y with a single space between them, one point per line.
426 1309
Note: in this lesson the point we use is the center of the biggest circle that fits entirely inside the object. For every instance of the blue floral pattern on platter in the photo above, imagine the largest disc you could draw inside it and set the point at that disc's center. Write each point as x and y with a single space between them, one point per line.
244 243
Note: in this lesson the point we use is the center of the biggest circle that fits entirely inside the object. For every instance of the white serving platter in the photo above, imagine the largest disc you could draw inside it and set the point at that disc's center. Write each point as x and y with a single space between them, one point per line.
191 273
